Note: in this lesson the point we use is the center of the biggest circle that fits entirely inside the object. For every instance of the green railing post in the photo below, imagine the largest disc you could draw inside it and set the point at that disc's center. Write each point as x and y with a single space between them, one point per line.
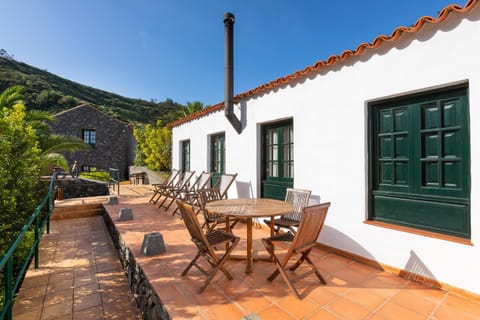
37 239
9 287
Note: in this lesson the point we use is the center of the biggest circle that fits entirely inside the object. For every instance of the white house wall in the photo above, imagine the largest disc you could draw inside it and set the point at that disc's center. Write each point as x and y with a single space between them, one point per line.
329 120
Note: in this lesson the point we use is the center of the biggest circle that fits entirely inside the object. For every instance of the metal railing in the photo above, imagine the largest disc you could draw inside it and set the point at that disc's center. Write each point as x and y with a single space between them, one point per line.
12 284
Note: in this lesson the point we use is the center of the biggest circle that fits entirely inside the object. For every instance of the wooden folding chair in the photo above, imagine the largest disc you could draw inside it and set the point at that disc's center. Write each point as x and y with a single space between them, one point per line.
224 183
212 220
191 196
298 198
205 244
301 244
169 193
159 187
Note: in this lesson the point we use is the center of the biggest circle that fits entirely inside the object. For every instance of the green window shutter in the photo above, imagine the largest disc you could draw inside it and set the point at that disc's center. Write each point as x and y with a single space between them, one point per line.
420 162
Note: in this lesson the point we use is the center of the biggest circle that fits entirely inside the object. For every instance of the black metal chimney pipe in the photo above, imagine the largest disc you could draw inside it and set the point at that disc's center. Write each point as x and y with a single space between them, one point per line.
229 20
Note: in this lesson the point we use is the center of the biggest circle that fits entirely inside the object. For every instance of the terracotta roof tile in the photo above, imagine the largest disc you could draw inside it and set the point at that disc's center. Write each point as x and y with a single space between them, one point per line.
378 41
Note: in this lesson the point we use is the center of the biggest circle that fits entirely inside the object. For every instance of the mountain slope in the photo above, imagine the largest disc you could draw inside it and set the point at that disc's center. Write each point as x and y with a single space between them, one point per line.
46 91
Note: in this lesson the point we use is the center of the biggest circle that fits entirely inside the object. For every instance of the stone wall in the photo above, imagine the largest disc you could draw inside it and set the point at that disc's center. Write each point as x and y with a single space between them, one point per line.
147 299
81 188
115 144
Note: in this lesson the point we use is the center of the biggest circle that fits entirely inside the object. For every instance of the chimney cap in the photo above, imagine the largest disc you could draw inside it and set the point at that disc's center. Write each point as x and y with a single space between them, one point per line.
228 17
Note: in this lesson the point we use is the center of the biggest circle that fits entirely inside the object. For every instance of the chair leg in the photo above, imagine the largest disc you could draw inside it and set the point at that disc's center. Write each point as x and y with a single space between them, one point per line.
317 272
193 262
218 265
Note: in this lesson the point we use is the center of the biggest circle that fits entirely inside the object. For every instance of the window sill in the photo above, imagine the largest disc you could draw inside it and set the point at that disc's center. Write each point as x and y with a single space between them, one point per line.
419 232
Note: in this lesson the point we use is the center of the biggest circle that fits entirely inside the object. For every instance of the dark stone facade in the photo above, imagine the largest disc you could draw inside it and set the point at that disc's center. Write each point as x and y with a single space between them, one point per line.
115 143
147 299
80 188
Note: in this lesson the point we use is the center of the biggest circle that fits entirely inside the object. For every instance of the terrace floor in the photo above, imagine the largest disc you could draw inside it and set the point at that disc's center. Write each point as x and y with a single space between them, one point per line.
80 277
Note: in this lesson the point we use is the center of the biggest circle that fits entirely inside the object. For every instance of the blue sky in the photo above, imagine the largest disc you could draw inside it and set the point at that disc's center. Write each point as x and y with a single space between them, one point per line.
158 49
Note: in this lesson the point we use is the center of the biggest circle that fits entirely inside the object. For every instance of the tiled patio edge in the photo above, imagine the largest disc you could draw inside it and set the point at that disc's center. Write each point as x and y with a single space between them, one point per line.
147 299
404 273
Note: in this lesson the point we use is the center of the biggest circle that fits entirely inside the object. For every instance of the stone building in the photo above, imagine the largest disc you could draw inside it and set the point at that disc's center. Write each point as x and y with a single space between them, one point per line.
112 141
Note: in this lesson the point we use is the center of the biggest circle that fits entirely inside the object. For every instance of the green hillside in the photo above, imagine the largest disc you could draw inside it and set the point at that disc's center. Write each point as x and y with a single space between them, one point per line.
46 91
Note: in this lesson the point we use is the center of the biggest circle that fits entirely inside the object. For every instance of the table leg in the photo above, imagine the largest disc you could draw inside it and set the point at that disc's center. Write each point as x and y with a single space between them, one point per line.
272 226
249 246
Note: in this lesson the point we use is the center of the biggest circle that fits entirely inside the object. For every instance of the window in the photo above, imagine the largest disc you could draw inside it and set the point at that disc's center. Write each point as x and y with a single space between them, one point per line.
277 154
89 136
185 160
217 156
420 162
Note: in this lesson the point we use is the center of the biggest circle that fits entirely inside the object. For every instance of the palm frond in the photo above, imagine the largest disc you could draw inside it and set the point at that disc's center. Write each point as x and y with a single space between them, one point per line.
11 96
59 143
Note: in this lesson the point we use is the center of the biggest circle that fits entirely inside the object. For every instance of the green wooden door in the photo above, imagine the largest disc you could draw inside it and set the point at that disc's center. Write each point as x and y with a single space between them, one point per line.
277 159
217 156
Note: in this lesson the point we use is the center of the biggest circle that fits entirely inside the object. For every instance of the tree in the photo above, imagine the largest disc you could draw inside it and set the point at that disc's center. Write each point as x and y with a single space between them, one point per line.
191 108
19 166
155 145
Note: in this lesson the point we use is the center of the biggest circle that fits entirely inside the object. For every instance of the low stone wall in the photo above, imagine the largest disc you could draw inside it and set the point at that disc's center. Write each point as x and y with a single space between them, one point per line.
81 188
147 299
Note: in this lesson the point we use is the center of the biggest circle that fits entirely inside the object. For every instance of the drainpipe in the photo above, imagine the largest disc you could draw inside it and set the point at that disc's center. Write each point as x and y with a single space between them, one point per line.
228 20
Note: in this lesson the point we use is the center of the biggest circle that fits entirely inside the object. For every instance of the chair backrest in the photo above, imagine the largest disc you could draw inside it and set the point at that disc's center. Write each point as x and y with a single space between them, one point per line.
184 180
224 183
203 181
298 198
311 224
193 225
205 196
174 175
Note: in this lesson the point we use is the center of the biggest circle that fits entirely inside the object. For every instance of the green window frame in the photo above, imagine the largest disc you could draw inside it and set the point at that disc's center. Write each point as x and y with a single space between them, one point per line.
277 159
217 156
185 161
419 170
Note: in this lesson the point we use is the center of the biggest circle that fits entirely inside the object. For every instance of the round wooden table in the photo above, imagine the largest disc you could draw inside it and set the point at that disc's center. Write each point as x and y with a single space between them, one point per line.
249 208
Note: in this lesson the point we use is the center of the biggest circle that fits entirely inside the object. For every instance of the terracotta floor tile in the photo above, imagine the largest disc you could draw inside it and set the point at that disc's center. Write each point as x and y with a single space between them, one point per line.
60 296
252 301
466 306
57 310
347 309
365 298
35 278
323 314
85 302
415 303
274 312
224 311
34 291
60 285
321 296
298 308
28 315
86 290
93 313
445 312
392 311
27 304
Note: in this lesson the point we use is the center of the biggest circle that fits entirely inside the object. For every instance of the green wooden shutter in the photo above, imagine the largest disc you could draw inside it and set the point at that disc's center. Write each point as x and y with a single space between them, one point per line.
420 169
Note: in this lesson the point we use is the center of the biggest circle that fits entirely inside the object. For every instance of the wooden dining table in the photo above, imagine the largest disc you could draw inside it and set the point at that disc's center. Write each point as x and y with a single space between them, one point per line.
249 208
